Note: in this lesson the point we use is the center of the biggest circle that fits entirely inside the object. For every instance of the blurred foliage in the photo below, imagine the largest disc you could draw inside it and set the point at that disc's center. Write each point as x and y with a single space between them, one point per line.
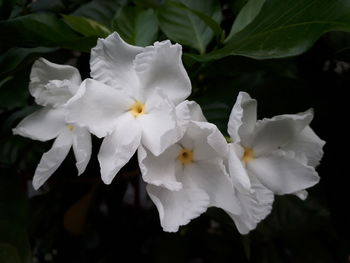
81 220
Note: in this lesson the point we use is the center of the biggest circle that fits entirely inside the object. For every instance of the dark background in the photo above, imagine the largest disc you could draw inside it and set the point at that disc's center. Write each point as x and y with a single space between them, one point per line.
79 219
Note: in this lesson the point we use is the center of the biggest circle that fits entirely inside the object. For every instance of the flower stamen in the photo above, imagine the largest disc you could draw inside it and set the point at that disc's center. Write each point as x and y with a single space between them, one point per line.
137 109
248 155
185 156
70 127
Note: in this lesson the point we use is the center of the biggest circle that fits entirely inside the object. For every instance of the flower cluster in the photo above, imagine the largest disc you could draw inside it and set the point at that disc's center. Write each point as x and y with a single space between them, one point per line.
136 101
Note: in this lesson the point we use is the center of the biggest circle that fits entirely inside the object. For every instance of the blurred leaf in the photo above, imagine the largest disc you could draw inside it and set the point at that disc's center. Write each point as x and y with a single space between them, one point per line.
14 245
285 28
86 26
137 27
185 27
75 217
5 8
15 56
102 11
43 29
47 5
246 16
14 91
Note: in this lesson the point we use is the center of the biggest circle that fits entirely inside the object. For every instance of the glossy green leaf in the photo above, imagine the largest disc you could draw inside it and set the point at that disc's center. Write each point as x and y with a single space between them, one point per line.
215 27
137 27
285 28
43 29
102 11
187 28
13 58
87 27
246 15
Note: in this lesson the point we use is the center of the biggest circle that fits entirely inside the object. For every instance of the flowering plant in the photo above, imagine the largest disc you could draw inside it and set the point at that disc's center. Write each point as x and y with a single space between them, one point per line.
158 101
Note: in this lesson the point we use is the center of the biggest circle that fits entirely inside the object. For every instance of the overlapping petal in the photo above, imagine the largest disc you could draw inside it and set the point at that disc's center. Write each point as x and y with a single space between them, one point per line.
271 134
177 208
159 124
118 147
208 141
98 107
43 125
307 143
160 67
211 177
256 205
52 159
52 84
237 171
282 174
161 170
82 148
112 63
242 119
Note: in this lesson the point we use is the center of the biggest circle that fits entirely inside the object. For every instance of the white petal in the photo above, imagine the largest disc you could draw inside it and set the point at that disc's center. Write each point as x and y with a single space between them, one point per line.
112 63
302 194
309 144
160 170
256 205
159 126
43 125
242 118
237 171
213 179
97 107
177 208
52 159
196 111
118 147
208 142
271 134
53 84
281 174
160 66
183 117
82 148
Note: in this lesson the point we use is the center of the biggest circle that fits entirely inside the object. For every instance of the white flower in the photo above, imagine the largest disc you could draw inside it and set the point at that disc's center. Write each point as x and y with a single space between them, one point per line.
190 175
276 155
132 99
52 86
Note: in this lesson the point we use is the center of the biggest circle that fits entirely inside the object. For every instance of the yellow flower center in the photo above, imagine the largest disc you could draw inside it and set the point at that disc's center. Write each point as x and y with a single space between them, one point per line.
137 109
185 156
70 127
248 155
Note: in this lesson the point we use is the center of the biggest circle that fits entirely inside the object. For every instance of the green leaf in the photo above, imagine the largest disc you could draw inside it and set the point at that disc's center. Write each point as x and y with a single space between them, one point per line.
43 29
102 11
215 27
246 15
137 27
5 8
14 57
285 28
14 245
14 90
87 27
47 5
185 26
